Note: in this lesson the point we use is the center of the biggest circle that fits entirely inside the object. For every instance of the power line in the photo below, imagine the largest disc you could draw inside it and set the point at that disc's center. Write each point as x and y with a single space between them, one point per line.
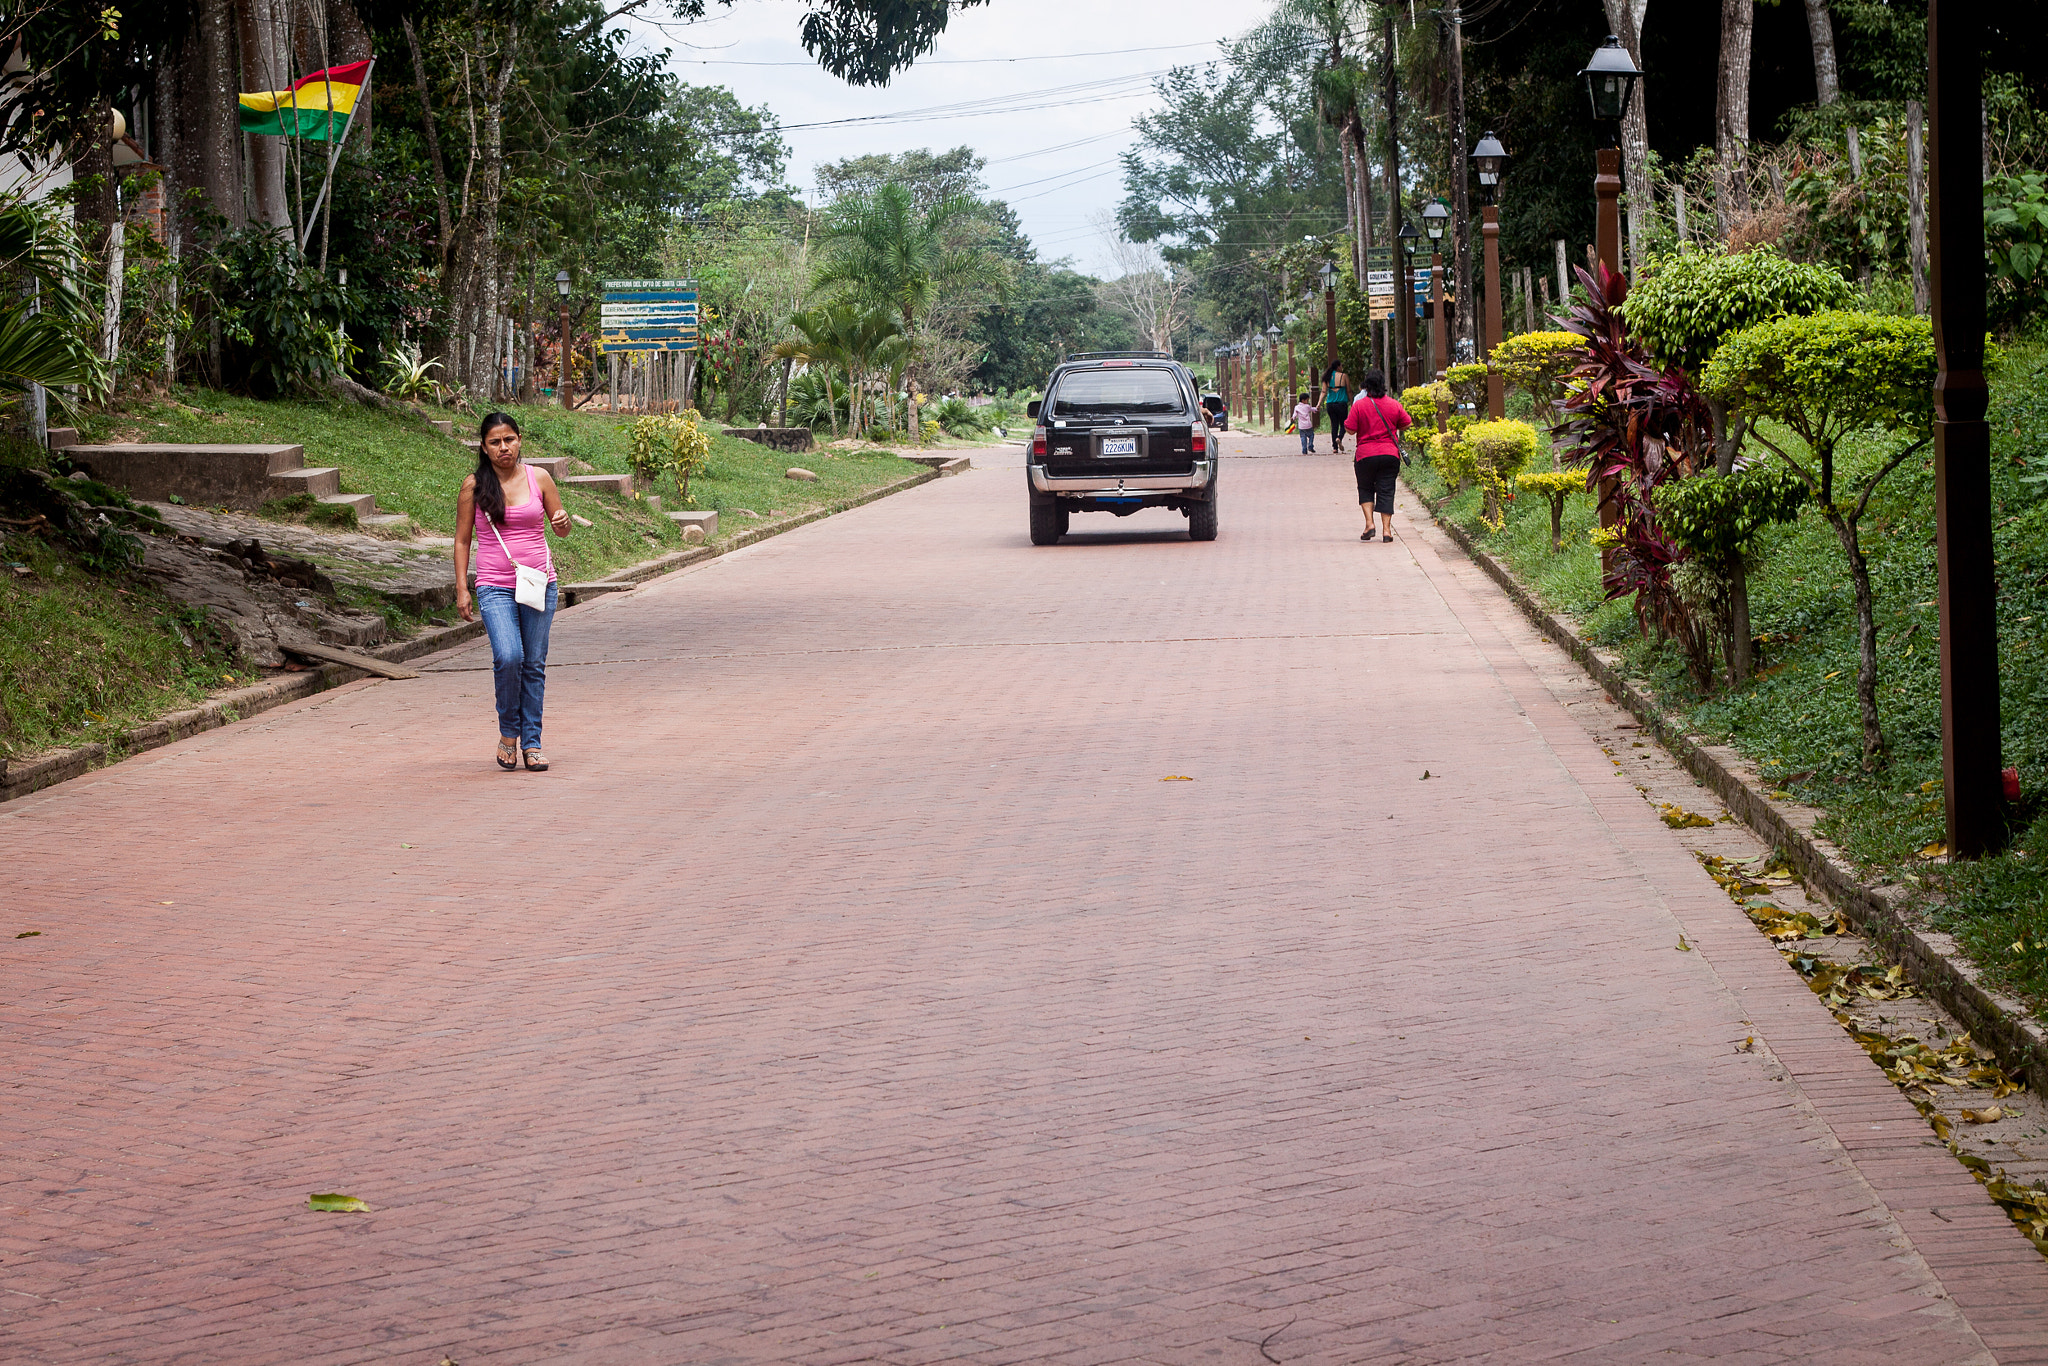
958 61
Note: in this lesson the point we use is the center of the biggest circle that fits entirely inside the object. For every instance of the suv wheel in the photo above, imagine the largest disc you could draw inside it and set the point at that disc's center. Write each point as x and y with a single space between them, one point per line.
1202 518
1048 520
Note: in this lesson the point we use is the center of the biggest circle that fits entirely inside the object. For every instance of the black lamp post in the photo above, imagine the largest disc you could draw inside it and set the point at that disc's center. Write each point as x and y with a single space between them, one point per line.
1490 160
1435 219
1611 78
562 290
1409 239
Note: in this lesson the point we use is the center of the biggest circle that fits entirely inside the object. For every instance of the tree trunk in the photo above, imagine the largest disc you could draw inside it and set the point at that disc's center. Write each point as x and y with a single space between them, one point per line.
1400 333
1731 111
428 123
92 170
1916 204
1461 200
1625 17
1866 637
349 39
207 112
1827 83
264 68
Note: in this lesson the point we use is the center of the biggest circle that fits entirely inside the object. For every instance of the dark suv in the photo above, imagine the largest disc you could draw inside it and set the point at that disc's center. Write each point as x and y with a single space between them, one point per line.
1117 432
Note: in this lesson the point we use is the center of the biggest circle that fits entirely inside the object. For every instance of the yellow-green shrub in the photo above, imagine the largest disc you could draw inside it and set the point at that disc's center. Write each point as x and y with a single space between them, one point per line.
1554 486
1467 384
1499 451
1537 362
674 444
1426 403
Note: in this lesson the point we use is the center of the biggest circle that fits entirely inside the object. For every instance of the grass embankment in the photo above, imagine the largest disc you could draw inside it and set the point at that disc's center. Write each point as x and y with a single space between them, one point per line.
86 655
1798 720
413 469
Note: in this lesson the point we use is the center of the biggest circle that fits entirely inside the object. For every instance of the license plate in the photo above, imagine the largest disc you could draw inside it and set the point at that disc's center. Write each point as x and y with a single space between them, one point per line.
1119 445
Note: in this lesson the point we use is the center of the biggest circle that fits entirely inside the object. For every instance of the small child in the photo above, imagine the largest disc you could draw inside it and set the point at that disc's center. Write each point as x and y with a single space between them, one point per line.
1305 423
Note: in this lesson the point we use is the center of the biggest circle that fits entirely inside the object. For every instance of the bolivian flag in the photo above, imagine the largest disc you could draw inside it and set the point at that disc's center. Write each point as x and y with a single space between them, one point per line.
316 108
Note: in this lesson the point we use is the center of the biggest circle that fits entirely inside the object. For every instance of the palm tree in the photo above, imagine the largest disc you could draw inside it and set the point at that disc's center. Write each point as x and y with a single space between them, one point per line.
882 250
851 337
50 341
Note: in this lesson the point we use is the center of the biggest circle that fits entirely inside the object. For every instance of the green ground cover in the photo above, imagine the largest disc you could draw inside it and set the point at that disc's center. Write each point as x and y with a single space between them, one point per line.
414 469
1798 719
86 655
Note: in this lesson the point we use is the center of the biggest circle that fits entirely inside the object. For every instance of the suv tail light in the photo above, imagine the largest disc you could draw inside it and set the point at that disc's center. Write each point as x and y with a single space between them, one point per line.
1198 438
1038 443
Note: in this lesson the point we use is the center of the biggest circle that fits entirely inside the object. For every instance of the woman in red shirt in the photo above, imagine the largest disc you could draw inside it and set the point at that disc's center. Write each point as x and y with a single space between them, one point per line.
1376 456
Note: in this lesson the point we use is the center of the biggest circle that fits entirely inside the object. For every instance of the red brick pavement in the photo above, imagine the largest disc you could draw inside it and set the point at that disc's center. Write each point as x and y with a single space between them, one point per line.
853 989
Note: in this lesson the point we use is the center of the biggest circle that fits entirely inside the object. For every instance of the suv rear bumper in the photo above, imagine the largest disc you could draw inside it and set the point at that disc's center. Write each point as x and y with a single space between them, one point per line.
1193 482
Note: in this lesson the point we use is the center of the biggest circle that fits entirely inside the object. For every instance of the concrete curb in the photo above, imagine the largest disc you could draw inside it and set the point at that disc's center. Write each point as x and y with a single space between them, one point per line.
20 779
1881 912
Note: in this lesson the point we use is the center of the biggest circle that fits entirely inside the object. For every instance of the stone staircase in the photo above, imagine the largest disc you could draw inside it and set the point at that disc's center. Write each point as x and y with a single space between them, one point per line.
244 477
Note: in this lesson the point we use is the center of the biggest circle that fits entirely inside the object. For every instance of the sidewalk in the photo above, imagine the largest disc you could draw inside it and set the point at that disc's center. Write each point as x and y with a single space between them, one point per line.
854 988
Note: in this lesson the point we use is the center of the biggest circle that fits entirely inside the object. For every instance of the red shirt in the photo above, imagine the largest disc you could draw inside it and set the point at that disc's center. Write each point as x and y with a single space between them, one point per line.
1378 423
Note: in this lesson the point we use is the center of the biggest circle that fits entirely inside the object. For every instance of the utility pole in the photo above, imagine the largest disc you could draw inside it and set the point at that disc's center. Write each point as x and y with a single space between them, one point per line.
1461 203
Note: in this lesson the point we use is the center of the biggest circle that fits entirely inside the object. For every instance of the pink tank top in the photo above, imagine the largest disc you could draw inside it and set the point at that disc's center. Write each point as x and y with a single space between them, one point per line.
525 533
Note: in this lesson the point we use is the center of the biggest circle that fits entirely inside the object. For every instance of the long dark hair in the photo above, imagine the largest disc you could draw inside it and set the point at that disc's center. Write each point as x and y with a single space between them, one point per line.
1374 384
490 494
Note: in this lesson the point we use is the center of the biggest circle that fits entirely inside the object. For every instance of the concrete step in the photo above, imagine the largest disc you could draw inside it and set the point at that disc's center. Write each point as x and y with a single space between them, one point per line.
569 594
61 437
233 476
365 504
444 425
556 465
621 484
384 519
707 520
318 480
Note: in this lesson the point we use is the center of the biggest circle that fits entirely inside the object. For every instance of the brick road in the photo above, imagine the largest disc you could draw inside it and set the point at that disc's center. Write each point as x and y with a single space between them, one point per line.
855 990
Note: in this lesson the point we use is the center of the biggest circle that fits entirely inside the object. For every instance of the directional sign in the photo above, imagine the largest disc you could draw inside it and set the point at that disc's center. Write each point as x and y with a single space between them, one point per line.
648 315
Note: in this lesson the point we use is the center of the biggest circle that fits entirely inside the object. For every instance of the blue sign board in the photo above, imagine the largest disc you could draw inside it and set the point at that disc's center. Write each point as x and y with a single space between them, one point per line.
648 315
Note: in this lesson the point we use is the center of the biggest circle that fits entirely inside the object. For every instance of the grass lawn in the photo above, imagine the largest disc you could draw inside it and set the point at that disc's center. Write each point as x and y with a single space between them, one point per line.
85 656
1799 720
414 469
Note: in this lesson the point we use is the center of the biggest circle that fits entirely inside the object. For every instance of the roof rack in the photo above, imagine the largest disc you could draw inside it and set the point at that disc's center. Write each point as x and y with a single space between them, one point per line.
1119 355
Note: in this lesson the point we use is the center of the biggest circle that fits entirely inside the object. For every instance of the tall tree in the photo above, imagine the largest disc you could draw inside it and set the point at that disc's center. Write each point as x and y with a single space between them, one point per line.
1827 81
1731 111
1626 17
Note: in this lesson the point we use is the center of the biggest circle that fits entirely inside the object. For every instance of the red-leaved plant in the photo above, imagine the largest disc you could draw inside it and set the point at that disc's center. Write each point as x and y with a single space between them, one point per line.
1635 426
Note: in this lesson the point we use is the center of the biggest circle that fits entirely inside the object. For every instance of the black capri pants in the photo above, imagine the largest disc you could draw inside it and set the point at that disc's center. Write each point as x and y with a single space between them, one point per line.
1376 476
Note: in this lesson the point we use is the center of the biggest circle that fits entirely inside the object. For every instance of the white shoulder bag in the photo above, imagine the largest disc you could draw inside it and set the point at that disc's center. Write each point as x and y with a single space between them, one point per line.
530 586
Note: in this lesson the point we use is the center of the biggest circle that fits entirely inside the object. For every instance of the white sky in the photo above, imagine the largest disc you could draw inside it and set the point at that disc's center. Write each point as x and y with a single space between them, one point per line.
1017 142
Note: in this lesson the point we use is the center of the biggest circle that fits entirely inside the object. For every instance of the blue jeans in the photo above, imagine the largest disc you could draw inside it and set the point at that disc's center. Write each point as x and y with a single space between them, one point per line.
519 659
1308 441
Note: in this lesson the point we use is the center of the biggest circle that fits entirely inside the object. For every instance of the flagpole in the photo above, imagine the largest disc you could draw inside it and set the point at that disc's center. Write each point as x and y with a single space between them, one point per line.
334 146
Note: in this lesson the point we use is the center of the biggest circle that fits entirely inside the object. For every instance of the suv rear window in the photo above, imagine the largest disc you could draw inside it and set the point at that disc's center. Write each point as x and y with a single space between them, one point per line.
1088 392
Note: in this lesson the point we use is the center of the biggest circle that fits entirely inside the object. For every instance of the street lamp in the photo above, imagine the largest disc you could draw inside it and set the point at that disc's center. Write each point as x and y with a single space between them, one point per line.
562 291
1435 219
1611 78
1490 159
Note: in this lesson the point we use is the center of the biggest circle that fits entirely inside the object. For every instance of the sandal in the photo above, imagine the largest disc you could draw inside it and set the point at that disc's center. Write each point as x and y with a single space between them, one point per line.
508 755
536 762
1369 534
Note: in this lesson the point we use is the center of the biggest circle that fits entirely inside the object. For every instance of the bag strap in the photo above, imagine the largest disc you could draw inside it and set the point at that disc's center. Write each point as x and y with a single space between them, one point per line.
501 543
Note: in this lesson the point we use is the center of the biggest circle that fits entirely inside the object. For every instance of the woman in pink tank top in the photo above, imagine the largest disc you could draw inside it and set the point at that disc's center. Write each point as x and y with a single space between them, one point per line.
506 509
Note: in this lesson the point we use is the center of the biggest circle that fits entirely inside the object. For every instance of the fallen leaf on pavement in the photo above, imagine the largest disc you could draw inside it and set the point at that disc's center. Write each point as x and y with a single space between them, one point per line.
335 1203
1169 778
1683 947
1990 1114
1678 818
28 934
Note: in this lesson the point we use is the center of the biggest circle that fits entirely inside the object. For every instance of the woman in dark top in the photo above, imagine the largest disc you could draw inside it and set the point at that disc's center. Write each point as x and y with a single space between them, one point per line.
1337 398
1376 459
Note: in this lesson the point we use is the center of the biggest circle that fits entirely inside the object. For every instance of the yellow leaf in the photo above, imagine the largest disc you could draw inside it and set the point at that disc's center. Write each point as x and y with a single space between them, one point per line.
1935 850
335 1203
1176 778
1683 947
1990 1114
1836 674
